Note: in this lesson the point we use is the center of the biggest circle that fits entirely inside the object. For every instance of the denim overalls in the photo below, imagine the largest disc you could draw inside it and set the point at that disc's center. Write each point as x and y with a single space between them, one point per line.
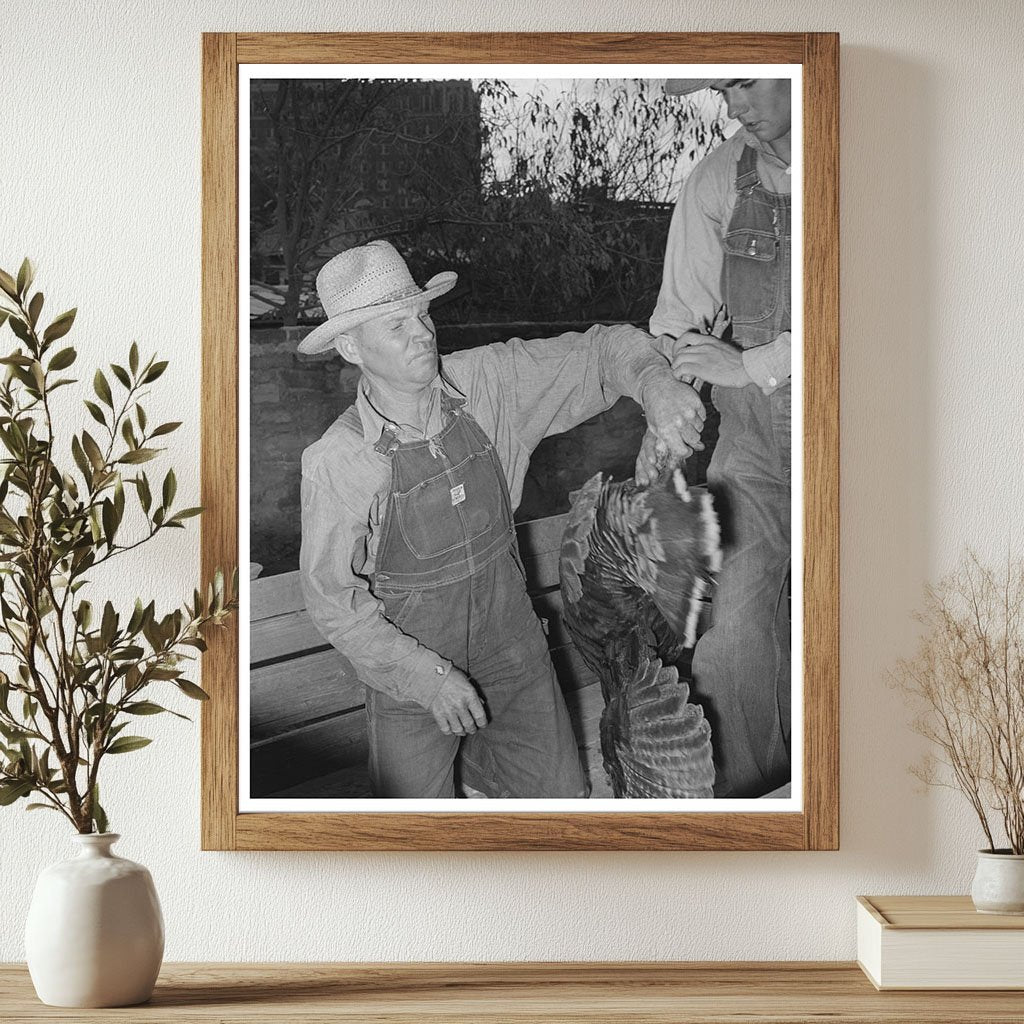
448 574
741 666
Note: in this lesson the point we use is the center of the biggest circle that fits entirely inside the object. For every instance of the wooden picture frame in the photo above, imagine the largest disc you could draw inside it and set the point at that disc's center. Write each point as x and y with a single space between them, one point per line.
816 825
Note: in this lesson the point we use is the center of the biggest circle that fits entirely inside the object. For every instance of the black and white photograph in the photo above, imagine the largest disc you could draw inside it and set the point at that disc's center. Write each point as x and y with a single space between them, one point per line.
520 468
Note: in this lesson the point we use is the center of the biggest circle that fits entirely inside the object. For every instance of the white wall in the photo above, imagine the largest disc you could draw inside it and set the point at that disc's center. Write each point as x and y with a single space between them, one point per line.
100 183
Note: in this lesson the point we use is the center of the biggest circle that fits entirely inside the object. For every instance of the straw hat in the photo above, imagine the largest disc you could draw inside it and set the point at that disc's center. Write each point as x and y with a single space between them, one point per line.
363 283
684 86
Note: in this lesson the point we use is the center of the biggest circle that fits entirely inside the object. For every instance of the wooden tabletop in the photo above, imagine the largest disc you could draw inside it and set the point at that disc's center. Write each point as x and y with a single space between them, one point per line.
478 993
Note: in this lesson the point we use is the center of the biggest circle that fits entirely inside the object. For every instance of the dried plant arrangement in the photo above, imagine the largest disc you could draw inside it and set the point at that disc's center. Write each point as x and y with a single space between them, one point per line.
74 674
967 683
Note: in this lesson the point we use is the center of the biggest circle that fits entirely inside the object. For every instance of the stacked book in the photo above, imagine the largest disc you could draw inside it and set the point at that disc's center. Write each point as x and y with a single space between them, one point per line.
906 942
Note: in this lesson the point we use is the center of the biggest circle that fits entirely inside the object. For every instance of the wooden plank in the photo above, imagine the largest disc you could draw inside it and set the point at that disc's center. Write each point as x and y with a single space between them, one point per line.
821 441
540 541
536 830
524 993
519 47
299 755
291 694
219 429
275 595
283 636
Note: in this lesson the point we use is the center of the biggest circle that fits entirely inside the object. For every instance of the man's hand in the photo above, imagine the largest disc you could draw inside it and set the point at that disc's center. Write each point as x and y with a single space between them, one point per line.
651 459
457 707
717 362
675 414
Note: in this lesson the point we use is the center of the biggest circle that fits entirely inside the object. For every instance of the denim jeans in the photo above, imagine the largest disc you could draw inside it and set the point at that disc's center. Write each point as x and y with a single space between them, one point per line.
484 624
449 575
741 666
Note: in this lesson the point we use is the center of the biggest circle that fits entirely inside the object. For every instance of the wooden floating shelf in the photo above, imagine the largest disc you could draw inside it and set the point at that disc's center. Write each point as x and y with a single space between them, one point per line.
523 993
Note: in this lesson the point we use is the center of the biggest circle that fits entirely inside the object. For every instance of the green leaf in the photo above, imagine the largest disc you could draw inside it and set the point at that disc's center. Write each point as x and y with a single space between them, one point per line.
145 497
83 613
20 328
121 374
191 690
60 326
139 455
128 433
140 415
154 372
125 744
63 359
133 358
42 807
80 458
34 309
109 521
185 513
26 274
108 627
12 733
170 488
138 614
130 653
92 449
165 428
102 388
99 816
11 791
144 707
8 284
95 412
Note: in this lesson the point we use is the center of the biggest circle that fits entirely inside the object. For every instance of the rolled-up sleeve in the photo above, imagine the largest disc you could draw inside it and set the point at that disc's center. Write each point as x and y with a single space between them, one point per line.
691 290
548 385
338 598
769 366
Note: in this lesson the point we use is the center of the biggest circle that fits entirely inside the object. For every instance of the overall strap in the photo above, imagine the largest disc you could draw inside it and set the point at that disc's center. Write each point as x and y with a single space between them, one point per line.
746 173
388 443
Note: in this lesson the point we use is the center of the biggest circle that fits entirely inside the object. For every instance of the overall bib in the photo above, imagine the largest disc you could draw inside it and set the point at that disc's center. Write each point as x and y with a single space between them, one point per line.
741 666
448 574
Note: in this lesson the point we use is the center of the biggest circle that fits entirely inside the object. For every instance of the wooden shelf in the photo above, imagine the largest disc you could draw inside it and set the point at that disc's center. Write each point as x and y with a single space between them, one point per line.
793 993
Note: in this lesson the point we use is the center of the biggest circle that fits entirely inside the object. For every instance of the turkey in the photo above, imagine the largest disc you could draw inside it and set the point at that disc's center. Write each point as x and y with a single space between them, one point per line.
635 564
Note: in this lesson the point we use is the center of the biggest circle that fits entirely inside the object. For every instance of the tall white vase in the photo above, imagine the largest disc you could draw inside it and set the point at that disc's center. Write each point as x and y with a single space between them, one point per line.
95 933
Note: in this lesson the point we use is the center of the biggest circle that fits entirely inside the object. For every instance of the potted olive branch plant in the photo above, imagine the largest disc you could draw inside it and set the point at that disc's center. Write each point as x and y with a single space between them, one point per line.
966 681
74 672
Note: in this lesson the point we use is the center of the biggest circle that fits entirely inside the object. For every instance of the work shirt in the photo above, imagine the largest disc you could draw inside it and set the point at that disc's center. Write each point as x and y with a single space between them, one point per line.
691 287
519 392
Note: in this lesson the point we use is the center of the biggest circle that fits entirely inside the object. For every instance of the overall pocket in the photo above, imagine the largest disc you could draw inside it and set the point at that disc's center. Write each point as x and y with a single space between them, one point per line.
751 268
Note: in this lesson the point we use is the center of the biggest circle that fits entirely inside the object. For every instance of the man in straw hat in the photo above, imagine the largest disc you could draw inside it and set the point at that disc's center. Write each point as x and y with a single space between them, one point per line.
727 265
409 561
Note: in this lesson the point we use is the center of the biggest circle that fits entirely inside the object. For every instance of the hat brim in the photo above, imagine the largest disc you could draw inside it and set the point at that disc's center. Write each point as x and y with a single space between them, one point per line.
321 338
684 86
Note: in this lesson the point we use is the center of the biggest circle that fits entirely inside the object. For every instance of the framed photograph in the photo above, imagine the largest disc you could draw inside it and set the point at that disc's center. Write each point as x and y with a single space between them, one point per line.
520 400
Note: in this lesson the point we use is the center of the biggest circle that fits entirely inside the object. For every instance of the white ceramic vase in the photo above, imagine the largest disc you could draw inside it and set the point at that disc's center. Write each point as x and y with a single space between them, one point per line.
999 882
95 933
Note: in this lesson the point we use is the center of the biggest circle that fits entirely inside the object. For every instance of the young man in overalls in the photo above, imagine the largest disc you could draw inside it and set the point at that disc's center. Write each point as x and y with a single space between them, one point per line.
729 246
409 562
